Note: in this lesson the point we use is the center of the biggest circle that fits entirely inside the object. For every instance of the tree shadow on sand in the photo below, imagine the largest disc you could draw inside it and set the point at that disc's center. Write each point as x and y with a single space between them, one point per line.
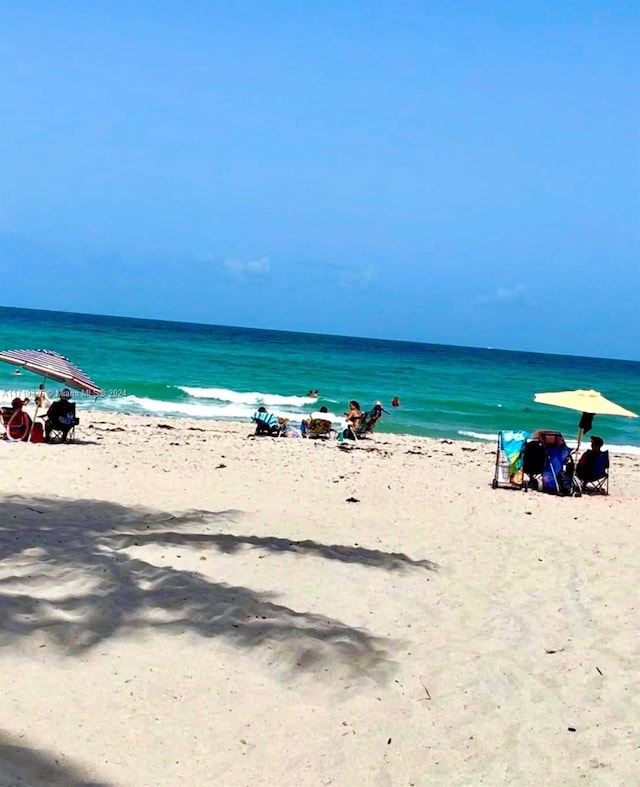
21 765
66 573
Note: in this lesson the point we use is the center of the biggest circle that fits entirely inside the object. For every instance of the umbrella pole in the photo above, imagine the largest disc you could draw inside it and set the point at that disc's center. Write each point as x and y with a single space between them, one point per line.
580 433
35 415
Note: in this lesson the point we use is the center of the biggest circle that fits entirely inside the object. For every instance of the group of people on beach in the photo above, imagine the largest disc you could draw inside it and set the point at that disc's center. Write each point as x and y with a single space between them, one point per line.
354 421
354 417
59 416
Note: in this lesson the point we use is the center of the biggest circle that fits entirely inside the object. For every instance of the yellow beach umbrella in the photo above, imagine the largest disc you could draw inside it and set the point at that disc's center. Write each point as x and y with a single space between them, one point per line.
589 403
584 402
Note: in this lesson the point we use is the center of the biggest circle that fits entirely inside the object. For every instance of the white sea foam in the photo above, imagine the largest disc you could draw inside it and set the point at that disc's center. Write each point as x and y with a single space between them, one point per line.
628 450
141 404
478 435
252 398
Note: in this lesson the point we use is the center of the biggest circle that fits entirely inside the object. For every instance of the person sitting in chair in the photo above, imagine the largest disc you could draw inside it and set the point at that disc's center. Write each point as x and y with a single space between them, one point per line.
371 418
353 418
61 416
41 398
319 424
305 423
266 422
377 410
18 426
591 465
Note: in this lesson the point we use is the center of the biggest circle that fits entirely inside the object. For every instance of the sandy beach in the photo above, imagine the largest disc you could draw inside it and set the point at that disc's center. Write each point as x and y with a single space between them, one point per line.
185 604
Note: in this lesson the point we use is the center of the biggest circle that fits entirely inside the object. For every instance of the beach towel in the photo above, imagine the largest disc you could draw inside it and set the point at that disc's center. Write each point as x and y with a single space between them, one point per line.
513 441
265 422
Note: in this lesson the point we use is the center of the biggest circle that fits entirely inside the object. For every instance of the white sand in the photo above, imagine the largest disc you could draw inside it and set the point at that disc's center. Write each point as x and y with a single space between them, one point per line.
193 606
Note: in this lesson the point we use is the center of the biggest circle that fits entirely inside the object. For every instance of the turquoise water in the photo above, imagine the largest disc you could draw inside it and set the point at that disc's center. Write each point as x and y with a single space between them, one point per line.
208 371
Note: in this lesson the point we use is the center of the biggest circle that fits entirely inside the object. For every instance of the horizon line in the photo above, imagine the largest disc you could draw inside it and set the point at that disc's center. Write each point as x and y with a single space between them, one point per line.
315 333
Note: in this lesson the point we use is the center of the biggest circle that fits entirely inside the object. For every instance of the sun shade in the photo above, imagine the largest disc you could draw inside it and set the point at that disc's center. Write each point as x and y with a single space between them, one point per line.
584 402
53 366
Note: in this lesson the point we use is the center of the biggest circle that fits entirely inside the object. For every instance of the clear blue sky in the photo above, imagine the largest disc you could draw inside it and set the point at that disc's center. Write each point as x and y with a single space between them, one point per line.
463 173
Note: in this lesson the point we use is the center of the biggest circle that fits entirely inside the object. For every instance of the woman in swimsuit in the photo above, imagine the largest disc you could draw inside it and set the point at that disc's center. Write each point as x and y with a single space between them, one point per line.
353 418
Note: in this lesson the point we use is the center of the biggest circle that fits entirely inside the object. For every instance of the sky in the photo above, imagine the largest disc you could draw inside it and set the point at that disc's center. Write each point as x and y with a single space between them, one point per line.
459 173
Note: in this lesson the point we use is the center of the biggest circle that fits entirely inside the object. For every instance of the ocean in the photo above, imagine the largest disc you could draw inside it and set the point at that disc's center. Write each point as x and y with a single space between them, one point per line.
210 371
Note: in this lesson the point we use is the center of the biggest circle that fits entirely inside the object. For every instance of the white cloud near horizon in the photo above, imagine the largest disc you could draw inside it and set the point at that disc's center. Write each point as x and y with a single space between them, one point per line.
241 270
357 277
501 294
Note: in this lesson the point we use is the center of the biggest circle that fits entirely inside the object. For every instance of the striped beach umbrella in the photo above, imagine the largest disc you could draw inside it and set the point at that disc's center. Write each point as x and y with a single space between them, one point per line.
52 366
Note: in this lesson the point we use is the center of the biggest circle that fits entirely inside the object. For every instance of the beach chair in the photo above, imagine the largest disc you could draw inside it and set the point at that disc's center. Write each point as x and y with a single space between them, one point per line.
5 417
59 432
366 424
593 474
318 427
508 470
266 423
548 463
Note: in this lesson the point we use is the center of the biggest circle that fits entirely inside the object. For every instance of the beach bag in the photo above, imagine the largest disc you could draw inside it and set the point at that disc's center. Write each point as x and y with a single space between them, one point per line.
37 433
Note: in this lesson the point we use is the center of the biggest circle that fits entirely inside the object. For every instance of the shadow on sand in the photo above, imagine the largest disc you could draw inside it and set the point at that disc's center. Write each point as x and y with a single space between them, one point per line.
66 573
20 765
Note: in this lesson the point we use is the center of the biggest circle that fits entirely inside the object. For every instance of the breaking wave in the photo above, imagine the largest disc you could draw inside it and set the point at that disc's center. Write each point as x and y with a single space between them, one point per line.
147 406
252 398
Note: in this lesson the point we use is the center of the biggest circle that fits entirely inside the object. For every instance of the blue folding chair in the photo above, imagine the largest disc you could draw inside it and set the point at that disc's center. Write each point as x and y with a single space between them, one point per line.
558 472
593 472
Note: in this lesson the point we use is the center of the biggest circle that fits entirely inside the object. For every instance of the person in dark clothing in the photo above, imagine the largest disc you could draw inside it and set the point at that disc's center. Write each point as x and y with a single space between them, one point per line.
61 416
593 463
377 410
